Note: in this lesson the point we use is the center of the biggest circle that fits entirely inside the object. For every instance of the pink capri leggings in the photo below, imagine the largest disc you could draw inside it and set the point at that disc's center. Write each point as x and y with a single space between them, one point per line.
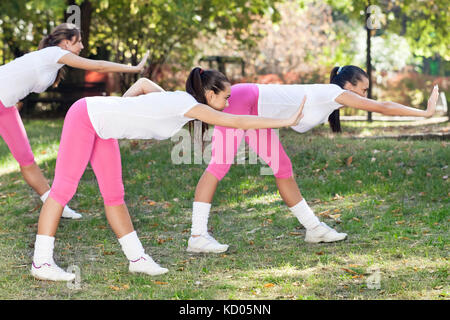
15 136
79 145
265 142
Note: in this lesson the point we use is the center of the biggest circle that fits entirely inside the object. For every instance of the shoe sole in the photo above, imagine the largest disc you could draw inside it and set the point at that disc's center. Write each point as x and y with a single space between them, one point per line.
73 218
206 251
48 279
326 241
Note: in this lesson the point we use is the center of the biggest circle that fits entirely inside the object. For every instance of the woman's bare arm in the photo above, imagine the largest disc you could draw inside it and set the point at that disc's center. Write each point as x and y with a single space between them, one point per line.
209 115
78 62
353 100
142 86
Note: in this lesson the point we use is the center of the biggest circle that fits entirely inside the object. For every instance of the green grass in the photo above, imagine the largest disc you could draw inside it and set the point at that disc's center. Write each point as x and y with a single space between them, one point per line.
393 203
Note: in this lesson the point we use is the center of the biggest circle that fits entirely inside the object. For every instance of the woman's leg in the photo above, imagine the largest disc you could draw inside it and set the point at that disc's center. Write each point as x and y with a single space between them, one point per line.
269 148
34 178
77 141
13 132
107 166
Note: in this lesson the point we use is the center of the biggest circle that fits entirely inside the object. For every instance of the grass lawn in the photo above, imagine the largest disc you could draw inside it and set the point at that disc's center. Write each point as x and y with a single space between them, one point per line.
391 197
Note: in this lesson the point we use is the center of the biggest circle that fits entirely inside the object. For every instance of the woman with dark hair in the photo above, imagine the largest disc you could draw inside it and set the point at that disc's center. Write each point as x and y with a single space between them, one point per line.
35 72
90 132
348 88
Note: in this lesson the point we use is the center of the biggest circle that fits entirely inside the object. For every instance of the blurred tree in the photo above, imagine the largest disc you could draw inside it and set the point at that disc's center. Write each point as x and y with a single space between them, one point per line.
424 24
127 28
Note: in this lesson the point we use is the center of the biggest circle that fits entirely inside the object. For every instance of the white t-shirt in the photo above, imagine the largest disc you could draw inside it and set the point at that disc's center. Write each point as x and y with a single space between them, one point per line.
282 100
156 115
32 72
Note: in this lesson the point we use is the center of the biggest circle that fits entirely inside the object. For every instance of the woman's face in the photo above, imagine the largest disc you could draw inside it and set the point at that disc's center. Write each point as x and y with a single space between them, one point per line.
218 101
360 88
73 45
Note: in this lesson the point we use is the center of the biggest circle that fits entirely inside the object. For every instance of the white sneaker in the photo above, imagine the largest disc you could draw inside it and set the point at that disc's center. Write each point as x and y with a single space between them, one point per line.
145 264
323 233
205 243
50 271
70 214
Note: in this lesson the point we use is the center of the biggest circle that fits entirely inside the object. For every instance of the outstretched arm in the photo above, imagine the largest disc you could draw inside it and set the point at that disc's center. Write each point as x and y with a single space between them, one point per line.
142 86
78 62
353 100
209 115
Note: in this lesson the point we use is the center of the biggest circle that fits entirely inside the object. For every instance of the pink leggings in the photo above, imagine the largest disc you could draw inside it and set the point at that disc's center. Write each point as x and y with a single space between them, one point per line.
79 145
265 142
15 136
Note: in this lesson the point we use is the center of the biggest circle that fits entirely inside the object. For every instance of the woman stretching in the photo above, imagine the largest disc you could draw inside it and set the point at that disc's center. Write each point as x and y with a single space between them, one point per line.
348 87
35 72
90 132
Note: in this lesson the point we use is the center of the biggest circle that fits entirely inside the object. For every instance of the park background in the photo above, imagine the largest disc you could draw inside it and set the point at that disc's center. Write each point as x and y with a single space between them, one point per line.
384 182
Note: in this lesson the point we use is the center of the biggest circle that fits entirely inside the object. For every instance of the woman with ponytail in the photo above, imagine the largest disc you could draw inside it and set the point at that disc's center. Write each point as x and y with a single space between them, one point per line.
90 132
348 87
35 72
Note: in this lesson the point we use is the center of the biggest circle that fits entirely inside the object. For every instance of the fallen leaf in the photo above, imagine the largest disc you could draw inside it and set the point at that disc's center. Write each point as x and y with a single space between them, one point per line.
349 271
400 222
161 282
355 219
335 216
320 253
269 285
349 161
115 288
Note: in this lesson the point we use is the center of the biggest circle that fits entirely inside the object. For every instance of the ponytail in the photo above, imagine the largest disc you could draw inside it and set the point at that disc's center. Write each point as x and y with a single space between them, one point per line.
340 76
199 81
64 31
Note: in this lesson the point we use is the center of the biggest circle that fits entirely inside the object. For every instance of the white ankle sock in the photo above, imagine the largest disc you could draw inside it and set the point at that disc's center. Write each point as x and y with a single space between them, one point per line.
45 196
132 246
200 214
43 249
305 215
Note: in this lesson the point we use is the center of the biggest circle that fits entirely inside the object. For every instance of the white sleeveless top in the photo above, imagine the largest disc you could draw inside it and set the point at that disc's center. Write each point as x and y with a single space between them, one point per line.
155 115
32 72
282 100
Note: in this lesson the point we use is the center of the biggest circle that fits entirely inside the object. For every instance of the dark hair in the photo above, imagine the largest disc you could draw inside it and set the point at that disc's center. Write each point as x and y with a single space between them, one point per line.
64 31
351 74
199 81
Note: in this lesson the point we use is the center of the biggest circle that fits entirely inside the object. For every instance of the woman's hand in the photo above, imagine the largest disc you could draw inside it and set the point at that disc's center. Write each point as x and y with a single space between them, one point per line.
298 115
431 107
141 65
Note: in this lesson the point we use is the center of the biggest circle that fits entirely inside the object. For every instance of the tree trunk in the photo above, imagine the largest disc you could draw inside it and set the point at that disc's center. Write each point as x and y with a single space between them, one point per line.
368 61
